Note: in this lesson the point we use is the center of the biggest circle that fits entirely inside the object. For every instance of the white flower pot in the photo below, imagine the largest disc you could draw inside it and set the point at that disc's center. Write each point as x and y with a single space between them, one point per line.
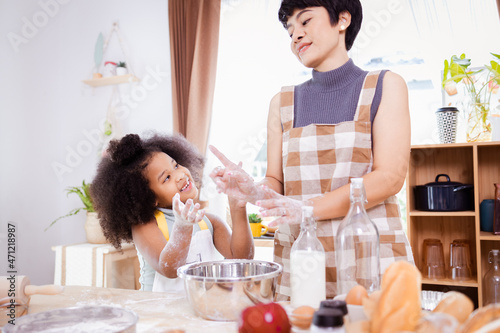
121 70
93 229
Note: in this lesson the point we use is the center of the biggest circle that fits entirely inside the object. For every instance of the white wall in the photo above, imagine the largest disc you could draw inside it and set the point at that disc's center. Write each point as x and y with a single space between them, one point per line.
46 111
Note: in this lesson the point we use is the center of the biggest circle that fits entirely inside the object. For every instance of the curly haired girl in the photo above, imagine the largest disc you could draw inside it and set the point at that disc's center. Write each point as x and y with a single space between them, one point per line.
143 192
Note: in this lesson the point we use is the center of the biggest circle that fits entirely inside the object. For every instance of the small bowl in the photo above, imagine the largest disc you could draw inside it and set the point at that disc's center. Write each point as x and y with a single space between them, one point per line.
221 290
91 318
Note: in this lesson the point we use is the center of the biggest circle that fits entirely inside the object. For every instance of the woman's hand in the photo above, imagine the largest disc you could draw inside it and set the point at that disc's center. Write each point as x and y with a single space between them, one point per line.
288 210
186 214
234 181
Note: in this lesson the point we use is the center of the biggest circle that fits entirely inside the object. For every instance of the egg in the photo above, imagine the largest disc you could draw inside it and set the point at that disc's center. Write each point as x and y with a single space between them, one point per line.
355 295
302 316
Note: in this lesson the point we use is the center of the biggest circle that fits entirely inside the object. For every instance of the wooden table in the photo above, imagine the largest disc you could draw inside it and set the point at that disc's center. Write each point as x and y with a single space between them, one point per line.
158 312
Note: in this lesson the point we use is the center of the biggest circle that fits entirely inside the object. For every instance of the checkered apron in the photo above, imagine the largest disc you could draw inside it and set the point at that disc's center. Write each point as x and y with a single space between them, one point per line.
321 158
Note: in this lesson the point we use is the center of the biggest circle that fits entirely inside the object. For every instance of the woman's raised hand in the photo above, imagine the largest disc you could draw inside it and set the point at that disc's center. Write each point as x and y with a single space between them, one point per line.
186 214
234 181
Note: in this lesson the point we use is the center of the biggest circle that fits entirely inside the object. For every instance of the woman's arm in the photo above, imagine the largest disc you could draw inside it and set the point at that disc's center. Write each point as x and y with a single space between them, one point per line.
239 243
391 153
274 173
165 257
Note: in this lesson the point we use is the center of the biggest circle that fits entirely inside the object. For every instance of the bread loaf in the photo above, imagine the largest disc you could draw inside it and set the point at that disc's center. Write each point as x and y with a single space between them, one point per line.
456 304
399 306
484 320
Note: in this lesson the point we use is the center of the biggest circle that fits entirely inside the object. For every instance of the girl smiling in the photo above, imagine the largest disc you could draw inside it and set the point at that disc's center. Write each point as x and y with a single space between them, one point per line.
145 191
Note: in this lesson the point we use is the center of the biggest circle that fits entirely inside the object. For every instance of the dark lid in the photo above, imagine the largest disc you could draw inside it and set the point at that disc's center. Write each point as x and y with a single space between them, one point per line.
447 109
328 317
334 304
443 183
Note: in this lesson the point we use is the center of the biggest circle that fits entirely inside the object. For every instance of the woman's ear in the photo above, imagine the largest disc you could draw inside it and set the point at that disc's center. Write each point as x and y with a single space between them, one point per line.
344 20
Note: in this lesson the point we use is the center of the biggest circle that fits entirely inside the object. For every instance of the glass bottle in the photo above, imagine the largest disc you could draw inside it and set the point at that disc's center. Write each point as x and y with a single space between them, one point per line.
307 265
492 279
357 246
496 213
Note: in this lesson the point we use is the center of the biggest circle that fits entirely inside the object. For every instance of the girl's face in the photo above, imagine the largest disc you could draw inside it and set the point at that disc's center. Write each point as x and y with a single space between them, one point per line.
166 178
315 42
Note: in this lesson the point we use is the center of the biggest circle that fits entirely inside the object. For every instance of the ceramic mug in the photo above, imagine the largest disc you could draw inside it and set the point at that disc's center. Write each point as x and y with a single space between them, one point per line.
486 215
258 229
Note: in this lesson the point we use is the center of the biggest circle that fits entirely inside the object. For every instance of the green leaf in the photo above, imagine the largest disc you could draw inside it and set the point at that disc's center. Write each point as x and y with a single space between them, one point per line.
83 193
496 55
98 51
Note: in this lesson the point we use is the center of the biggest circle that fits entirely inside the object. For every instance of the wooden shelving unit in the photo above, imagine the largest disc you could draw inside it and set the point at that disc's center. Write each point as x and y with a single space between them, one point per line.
475 163
106 81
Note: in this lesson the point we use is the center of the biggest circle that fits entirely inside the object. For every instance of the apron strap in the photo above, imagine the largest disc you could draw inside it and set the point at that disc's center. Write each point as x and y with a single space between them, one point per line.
286 108
366 97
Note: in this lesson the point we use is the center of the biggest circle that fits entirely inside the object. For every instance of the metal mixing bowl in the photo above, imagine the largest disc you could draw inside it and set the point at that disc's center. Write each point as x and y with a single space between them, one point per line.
220 290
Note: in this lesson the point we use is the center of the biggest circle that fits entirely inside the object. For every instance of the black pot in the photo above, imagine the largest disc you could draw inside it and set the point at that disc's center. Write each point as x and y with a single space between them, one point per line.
444 196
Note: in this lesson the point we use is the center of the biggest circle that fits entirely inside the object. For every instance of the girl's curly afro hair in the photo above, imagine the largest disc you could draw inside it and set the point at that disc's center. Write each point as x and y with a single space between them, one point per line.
120 192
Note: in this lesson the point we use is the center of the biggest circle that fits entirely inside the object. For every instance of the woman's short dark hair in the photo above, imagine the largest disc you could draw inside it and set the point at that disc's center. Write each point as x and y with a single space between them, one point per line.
334 8
120 191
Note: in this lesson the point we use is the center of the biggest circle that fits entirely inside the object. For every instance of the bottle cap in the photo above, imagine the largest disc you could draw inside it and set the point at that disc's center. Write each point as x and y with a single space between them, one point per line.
327 317
334 304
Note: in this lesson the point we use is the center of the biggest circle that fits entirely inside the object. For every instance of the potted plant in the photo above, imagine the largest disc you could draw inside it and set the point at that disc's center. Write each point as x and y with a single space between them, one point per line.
479 85
121 68
92 227
256 225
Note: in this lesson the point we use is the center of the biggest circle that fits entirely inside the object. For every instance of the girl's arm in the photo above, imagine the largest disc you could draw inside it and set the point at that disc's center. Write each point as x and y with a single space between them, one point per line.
165 257
239 243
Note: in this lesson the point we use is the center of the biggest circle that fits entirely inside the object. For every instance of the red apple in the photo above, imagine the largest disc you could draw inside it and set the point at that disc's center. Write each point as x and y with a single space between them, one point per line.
264 318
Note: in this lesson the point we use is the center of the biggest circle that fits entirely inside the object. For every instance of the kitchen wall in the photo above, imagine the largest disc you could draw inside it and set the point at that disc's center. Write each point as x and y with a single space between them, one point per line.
50 121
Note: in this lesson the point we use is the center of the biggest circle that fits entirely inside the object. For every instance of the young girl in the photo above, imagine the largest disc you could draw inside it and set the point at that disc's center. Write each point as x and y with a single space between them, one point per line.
144 192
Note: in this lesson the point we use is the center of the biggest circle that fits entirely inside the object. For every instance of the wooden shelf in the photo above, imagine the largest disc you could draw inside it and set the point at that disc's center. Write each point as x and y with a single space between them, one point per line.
483 235
106 81
469 163
449 282
451 214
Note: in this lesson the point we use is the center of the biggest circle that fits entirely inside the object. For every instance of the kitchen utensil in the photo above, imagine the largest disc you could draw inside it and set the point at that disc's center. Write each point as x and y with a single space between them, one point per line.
258 229
486 215
96 318
221 290
460 263
447 124
444 196
433 259
19 288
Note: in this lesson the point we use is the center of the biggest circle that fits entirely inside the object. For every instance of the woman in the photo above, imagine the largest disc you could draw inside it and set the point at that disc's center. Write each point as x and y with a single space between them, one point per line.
341 124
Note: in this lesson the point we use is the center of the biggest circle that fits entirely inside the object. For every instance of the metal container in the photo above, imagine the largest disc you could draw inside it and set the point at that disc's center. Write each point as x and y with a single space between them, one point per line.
444 196
102 319
221 290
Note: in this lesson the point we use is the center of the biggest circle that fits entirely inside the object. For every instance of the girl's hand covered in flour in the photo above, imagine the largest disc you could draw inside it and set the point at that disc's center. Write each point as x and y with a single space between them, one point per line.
186 214
234 181
286 209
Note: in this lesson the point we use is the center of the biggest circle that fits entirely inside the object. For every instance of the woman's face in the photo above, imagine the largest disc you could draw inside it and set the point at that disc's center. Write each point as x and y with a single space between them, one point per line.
315 42
166 178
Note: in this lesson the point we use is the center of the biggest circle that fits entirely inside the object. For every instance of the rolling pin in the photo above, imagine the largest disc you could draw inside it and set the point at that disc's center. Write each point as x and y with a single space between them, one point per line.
20 289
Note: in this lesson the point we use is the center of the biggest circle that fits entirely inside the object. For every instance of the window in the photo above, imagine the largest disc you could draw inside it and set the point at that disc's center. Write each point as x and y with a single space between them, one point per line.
409 37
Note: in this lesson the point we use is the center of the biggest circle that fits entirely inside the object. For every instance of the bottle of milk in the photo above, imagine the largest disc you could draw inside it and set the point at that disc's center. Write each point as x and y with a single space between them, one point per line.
307 265
357 246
